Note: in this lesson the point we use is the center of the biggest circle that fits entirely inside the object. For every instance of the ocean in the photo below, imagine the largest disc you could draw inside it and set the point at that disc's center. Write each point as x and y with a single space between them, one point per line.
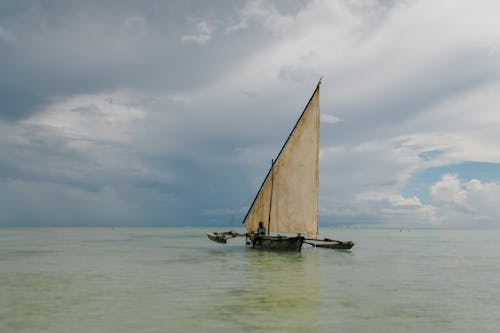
177 280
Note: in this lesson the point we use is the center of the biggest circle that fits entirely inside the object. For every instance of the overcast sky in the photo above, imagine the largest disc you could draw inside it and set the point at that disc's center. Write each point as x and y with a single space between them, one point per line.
169 112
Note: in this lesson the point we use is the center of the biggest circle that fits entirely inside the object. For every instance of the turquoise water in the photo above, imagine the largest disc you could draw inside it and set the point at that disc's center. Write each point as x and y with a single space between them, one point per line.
176 280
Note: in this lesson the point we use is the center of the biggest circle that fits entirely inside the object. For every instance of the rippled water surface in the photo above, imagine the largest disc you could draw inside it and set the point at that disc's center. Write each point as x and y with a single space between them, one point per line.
176 280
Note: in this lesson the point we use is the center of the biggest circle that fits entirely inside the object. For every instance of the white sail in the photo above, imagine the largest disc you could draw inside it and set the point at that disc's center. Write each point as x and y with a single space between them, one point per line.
288 198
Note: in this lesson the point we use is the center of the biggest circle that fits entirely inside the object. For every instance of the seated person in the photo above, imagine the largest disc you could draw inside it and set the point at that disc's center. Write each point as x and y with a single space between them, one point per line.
261 230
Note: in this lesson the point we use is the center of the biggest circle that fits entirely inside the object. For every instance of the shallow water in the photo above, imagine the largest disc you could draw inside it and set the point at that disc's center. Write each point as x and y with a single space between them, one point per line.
176 280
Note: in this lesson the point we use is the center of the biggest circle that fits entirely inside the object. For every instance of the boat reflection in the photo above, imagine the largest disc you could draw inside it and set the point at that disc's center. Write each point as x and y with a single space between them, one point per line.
282 289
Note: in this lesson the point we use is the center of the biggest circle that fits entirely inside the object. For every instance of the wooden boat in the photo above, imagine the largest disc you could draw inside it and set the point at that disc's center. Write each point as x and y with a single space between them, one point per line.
278 243
338 245
221 237
287 200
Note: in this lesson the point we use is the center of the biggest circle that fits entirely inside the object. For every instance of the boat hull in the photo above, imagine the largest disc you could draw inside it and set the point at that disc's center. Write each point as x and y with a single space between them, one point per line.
337 245
276 243
217 237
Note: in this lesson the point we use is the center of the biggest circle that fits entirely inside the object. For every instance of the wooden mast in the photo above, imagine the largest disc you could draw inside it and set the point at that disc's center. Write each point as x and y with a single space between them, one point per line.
271 198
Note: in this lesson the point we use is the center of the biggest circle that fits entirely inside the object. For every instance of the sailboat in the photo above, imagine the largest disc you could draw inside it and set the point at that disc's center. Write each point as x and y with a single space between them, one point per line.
286 204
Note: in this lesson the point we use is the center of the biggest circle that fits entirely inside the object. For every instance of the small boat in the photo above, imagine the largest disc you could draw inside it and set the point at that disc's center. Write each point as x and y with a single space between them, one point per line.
338 245
277 243
287 201
221 237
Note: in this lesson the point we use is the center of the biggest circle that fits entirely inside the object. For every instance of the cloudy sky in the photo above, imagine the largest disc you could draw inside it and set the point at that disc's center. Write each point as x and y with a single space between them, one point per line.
169 112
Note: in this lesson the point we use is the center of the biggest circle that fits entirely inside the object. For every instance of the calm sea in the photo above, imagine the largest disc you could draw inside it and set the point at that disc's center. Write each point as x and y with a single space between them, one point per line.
176 280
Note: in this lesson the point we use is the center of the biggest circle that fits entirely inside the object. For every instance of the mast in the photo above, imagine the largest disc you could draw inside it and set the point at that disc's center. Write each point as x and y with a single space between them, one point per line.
270 199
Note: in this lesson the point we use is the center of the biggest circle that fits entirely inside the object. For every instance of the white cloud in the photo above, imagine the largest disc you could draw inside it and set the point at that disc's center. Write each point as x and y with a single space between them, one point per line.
202 36
466 124
449 191
453 204
472 203
330 119
380 207
91 118
400 201
261 13
483 197
92 141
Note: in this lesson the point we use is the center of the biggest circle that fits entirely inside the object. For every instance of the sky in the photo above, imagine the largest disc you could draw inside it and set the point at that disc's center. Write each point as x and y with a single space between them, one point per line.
168 113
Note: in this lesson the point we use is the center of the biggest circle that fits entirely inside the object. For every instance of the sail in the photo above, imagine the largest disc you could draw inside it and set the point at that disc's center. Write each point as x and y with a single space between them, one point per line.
288 198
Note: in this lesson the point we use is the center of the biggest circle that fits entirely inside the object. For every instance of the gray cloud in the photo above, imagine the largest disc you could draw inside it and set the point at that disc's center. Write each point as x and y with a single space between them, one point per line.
60 48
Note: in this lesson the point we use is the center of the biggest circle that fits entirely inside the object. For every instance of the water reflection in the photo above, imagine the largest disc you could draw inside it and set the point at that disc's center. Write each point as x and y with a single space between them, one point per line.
278 292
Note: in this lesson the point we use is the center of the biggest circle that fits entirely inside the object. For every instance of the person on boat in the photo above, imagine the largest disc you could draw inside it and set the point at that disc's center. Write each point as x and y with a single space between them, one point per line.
261 230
